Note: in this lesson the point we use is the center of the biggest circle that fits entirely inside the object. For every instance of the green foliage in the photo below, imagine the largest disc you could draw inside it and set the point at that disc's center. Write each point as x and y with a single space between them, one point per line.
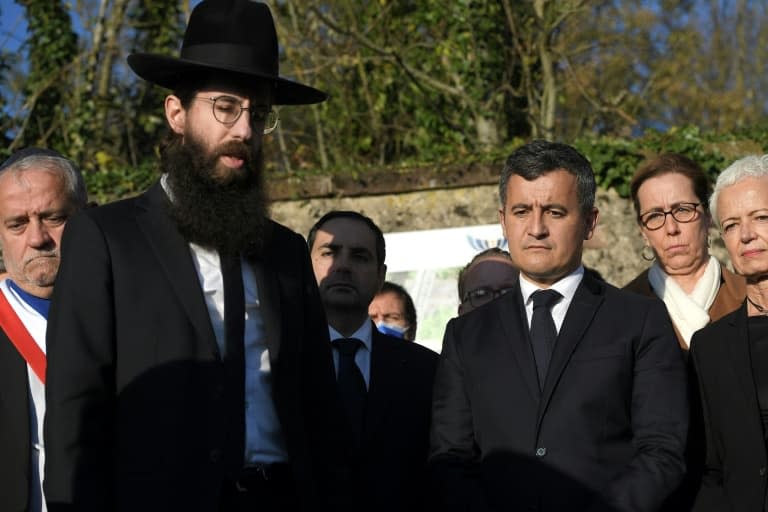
412 84
117 181
615 160
52 47
6 61
158 28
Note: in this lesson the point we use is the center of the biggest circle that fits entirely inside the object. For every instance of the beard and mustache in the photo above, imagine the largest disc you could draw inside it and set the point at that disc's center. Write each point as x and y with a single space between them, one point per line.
214 206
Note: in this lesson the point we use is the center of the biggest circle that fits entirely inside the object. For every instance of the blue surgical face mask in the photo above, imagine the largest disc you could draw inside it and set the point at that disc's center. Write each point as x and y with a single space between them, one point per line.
391 329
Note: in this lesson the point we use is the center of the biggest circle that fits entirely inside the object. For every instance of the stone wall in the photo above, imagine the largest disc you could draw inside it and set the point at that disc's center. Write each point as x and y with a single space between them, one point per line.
614 251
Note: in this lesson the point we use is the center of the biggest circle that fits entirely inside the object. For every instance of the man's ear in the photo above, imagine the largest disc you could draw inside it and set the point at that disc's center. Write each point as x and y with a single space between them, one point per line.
382 275
591 223
175 114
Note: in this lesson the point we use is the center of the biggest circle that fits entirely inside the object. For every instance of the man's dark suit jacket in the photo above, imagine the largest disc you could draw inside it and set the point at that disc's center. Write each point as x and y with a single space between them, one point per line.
606 433
391 465
136 409
735 470
15 469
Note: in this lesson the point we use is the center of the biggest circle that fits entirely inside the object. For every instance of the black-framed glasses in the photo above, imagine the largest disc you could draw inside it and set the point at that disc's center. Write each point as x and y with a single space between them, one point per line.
480 296
681 212
228 109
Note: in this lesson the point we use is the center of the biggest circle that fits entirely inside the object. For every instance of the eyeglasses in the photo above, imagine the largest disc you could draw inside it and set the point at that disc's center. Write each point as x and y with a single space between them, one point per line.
481 296
683 212
227 110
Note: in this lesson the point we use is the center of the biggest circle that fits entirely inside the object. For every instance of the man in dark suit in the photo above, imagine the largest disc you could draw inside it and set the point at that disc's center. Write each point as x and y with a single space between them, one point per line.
386 383
189 366
564 393
39 190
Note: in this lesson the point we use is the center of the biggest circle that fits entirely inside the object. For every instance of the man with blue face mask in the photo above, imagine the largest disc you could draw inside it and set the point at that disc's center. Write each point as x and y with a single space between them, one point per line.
393 312
384 383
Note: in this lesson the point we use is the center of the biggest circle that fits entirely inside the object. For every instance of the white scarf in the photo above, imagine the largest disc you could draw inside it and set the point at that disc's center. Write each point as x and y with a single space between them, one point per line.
689 313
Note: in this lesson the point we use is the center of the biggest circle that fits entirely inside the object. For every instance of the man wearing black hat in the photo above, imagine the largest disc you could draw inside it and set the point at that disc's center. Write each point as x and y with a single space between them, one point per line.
188 347
39 190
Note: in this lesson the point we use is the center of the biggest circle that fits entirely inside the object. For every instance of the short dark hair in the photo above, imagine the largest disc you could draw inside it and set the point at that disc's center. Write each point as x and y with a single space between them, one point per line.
539 157
409 308
669 163
381 251
482 255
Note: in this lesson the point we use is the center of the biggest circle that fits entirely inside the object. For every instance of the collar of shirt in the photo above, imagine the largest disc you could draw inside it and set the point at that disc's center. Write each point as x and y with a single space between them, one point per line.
364 333
38 304
166 187
363 357
566 287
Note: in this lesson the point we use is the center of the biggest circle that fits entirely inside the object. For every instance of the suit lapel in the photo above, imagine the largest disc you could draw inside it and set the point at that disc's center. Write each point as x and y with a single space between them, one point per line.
516 335
738 347
172 251
582 309
386 372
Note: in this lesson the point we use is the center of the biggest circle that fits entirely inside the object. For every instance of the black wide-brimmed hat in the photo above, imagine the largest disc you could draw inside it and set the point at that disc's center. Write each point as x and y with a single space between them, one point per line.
236 36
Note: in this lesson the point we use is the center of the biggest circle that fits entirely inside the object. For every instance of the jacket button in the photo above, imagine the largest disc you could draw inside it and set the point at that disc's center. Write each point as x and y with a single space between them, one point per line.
762 471
215 456
540 452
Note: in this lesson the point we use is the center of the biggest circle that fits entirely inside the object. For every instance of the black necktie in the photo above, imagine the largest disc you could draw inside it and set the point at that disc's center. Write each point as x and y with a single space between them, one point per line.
351 385
543 331
234 360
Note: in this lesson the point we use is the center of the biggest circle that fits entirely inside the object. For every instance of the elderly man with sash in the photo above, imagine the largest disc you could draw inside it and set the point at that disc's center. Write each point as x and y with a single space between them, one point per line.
39 190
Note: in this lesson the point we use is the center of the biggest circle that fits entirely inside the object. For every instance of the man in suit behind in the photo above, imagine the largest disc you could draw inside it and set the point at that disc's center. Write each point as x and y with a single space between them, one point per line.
39 190
388 398
565 393
189 366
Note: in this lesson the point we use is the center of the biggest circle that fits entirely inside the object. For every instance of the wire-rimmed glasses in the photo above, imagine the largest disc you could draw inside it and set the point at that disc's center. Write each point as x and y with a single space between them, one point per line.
228 109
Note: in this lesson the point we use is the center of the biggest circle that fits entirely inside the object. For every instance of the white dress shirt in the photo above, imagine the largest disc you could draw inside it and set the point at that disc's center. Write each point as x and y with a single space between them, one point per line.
264 441
565 286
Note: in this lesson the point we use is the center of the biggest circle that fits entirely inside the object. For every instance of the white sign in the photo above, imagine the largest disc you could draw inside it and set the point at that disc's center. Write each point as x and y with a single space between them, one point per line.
427 264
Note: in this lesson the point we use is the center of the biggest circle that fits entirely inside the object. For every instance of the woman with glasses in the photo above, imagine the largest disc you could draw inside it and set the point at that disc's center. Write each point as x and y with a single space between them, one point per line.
670 196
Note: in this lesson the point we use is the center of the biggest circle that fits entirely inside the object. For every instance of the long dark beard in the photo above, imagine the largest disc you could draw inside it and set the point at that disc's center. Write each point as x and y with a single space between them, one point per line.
228 215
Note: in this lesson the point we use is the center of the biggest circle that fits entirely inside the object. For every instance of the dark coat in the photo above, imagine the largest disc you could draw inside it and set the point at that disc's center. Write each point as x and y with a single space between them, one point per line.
15 468
136 409
392 461
606 433
730 295
736 467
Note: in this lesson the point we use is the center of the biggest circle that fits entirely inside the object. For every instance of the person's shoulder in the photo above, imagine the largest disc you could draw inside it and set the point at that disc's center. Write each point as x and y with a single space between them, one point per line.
409 349
735 283
716 332
625 297
421 353
709 343
639 284
419 362
280 234
120 209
